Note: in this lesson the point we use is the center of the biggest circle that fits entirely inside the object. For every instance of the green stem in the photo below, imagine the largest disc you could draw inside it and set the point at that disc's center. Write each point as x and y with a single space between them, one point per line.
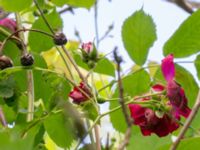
43 17
31 95
30 80
66 64
90 133
73 62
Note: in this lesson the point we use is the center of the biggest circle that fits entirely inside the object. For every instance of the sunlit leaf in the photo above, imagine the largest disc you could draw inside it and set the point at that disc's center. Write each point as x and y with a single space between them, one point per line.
75 3
138 34
15 5
185 41
39 42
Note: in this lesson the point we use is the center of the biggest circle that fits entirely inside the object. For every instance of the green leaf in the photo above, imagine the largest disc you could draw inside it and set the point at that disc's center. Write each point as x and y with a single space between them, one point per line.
58 128
140 142
10 113
138 34
90 111
186 144
11 139
197 65
39 42
100 66
15 5
75 3
185 41
134 84
10 49
188 83
104 66
7 87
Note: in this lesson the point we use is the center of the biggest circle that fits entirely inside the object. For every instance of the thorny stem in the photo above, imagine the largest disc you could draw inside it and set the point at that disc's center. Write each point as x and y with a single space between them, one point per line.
133 101
187 123
118 60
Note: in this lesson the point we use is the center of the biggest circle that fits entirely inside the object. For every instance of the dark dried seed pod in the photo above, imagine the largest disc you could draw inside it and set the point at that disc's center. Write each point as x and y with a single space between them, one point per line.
60 39
5 62
27 60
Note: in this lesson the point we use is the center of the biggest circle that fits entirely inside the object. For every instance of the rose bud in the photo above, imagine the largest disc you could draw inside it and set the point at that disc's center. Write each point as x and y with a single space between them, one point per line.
80 93
5 62
60 38
9 24
27 60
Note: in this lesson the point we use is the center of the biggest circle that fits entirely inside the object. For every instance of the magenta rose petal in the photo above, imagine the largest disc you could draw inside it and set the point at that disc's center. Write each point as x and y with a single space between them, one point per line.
168 67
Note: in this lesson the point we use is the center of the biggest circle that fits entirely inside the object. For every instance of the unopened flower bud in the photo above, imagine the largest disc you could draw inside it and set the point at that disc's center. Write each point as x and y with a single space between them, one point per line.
27 60
60 39
101 100
89 53
9 24
87 47
5 62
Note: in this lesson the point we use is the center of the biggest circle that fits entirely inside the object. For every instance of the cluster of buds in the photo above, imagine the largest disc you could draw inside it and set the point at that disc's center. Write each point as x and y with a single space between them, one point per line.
173 101
5 62
89 54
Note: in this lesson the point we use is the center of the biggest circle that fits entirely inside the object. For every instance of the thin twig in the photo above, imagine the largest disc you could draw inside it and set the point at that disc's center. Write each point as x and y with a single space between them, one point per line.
73 62
70 9
19 31
126 140
66 64
43 17
187 123
96 23
106 33
183 4
2 118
